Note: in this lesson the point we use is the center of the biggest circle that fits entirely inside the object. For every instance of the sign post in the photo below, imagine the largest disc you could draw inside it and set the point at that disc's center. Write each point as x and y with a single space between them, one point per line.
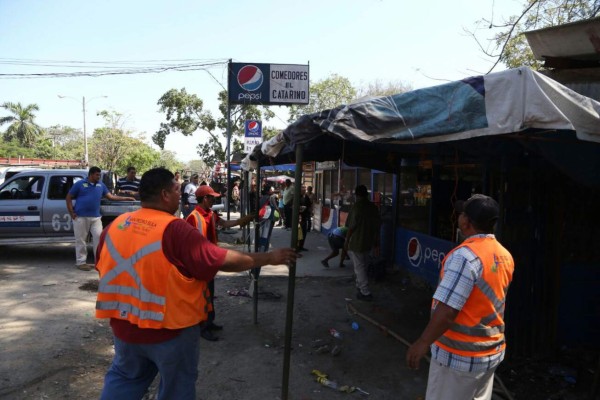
269 84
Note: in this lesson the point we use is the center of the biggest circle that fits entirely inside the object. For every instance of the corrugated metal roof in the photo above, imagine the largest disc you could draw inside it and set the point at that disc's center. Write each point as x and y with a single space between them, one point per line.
577 40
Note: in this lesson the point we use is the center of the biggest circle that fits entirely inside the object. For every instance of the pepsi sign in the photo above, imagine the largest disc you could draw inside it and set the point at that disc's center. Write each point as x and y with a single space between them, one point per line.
250 78
252 128
421 254
267 84
252 135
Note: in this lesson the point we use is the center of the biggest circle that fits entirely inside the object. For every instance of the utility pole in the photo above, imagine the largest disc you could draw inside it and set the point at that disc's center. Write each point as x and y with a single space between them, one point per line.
86 159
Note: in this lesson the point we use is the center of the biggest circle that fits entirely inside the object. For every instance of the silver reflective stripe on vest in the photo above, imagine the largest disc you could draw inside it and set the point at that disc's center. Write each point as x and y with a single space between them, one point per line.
130 309
470 346
125 265
482 329
201 222
478 330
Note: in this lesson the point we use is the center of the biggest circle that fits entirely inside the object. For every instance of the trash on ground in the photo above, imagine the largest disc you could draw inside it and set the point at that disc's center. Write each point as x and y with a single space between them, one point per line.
335 333
238 292
323 379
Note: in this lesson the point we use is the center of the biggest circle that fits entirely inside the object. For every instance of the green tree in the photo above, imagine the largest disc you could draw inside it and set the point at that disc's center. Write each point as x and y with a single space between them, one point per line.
509 45
169 161
67 142
22 125
109 144
185 114
137 154
381 88
12 148
328 93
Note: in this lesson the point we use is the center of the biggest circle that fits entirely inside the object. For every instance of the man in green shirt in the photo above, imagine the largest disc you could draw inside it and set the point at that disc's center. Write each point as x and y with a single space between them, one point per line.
363 235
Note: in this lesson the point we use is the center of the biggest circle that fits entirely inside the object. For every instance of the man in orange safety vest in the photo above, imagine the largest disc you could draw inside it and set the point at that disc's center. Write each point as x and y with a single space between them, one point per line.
466 330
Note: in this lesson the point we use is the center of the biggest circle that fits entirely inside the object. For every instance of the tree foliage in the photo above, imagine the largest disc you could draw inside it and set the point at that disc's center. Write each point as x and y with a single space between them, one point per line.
169 161
381 88
114 148
184 114
325 94
22 126
509 45
12 148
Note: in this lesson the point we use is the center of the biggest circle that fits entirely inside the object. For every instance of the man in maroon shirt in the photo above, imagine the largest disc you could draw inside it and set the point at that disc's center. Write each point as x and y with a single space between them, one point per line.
205 196
141 353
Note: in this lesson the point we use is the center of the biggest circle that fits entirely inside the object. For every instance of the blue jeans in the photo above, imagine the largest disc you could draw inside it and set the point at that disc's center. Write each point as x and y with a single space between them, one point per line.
135 366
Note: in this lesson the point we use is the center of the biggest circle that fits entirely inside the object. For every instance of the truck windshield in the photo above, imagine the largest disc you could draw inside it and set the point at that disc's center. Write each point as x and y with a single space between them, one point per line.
25 187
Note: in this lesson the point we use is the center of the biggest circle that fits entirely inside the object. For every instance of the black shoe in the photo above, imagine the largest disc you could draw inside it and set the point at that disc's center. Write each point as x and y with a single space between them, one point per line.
342 265
364 297
214 327
302 249
324 263
206 334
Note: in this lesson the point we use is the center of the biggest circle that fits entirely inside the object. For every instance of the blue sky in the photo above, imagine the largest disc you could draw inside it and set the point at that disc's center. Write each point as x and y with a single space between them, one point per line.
386 40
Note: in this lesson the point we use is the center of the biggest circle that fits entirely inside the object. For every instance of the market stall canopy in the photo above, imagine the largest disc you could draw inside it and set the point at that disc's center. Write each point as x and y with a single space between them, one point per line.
279 178
280 167
377 132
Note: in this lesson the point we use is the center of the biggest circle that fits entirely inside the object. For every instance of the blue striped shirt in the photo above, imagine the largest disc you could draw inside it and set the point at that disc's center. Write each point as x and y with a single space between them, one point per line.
461 269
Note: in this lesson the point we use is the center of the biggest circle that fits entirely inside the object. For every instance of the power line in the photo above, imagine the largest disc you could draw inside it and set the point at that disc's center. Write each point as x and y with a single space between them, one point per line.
103 68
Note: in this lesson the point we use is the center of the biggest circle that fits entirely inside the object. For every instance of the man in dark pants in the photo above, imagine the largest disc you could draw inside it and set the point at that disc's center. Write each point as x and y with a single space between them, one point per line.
305 214
206 220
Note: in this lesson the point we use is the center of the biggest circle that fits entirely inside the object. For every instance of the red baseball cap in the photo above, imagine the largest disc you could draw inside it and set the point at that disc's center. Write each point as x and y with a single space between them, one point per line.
205 190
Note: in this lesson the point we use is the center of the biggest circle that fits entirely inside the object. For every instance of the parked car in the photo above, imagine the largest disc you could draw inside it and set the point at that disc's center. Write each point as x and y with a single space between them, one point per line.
33 207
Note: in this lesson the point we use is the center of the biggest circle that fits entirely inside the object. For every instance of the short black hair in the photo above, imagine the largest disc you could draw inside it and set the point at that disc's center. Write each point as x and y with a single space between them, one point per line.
94 170
361 190
483 212
154 181
129 169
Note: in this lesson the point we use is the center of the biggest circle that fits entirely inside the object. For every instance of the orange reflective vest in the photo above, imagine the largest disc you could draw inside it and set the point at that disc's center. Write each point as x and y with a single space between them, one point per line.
202 226
137 281
478 329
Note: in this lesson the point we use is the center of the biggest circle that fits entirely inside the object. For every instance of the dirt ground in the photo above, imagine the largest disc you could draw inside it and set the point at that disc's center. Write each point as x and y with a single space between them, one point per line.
52 347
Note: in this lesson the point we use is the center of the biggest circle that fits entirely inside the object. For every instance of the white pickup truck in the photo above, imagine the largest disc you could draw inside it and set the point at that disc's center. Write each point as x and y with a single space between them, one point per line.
33 207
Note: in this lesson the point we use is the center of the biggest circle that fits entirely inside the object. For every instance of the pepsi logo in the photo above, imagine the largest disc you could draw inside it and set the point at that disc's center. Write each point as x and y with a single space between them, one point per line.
250 78
253 126
414 251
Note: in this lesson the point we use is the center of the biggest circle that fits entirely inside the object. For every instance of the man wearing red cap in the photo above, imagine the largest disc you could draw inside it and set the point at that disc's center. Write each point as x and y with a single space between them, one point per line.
206 220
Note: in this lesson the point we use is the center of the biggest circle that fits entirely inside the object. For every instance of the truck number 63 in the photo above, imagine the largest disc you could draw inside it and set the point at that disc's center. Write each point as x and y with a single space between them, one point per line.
57 223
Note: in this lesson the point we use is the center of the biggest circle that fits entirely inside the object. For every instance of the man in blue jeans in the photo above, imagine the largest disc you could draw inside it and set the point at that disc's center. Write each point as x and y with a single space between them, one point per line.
154 269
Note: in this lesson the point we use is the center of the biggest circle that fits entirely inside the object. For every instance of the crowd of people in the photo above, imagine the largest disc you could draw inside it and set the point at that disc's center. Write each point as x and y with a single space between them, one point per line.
157 321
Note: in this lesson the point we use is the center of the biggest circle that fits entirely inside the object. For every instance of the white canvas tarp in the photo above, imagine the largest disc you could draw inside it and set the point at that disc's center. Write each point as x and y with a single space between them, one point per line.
513 101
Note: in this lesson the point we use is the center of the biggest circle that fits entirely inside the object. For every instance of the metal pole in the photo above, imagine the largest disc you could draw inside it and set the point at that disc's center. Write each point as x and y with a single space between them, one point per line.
292 275
85 143
227 195
256 271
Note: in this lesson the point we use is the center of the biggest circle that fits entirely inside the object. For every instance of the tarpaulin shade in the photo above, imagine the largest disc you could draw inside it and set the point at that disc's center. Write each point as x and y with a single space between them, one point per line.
482 115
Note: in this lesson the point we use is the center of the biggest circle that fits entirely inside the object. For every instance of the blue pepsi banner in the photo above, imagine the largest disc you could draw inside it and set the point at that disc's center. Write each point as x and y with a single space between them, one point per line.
268 84
421 254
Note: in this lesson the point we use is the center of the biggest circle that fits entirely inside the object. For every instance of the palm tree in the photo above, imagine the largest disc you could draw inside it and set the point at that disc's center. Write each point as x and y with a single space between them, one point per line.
22 125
